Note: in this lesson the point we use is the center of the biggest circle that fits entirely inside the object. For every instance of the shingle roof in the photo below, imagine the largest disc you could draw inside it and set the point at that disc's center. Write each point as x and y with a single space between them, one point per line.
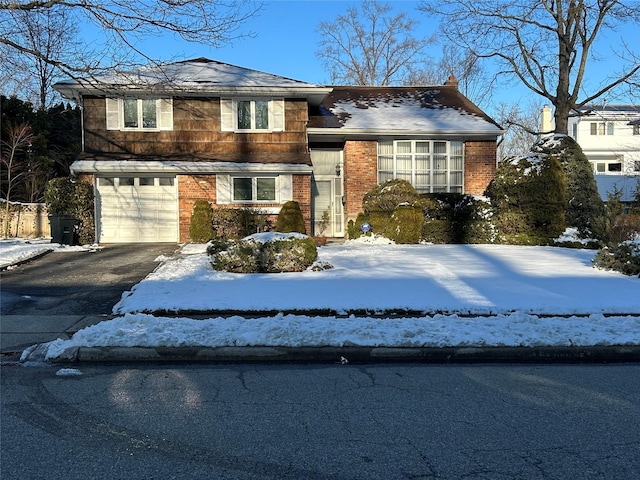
437 108
199 75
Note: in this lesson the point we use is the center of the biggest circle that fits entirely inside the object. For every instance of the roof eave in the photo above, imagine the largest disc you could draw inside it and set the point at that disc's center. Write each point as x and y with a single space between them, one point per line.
313 93
178 167
494 132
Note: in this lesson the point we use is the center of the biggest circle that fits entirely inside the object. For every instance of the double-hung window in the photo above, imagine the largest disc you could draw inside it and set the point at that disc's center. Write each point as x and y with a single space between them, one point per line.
253 114
261 115
429 165
254 189
139 114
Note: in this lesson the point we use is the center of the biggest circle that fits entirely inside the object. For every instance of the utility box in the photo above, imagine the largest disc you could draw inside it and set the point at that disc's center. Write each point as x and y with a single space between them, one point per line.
62 229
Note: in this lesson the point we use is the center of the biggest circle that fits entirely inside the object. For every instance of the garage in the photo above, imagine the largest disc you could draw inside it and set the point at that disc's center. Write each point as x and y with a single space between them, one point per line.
132 209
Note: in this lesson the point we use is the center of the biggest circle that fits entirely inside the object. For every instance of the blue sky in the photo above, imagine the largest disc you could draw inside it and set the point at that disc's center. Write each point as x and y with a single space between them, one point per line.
286 42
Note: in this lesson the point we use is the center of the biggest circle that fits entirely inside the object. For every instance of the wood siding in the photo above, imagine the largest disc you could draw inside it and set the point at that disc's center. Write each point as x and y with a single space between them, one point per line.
196 129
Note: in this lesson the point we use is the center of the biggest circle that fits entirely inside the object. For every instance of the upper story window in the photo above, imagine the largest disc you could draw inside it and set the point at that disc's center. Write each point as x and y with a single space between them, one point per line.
139 114
429 165
252 114
601 128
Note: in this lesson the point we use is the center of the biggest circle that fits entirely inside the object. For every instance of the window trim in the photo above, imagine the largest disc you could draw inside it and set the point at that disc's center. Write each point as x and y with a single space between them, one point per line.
431 187
229 114
254 189
163 114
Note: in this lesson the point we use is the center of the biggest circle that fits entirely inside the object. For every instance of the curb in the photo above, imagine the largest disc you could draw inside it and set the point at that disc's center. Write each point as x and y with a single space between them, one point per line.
352 355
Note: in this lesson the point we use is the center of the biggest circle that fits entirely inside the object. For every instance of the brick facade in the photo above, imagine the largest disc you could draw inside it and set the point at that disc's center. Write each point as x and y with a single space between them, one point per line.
190 189
360 174
479 166
203 187
302 195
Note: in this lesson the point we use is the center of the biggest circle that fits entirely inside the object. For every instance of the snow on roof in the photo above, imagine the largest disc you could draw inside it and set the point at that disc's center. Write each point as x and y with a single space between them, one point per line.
431 109
196 75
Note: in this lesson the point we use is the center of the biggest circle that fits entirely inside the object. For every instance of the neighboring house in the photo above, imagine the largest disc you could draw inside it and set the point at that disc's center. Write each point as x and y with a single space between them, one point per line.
157 140
609 136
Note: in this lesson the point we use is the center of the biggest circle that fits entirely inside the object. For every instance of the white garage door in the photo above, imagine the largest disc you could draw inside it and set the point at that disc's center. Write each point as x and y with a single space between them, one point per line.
137 209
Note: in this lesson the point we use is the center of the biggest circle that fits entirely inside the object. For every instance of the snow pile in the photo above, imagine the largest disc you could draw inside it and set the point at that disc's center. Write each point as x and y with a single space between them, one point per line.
516 329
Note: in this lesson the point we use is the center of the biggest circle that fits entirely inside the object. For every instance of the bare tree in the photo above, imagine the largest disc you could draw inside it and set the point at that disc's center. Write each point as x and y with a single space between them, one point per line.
370 46
521 124
15 166
51 32
473 80
124 24
549 45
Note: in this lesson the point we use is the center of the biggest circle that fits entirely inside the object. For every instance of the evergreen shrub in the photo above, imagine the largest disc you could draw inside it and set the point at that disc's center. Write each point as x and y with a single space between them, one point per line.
201 226
290 219
584 207
530 199
405 225
386 196
255 254
68 196
236 223
623 257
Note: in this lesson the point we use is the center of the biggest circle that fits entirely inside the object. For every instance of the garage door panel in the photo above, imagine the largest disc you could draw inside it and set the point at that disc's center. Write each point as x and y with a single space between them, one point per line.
137 213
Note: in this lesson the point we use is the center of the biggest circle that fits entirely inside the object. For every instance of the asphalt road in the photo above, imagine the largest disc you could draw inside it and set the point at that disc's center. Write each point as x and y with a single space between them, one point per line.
321 422
77 283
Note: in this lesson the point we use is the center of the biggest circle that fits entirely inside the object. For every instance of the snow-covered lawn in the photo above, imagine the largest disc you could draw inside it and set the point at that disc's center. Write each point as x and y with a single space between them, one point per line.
472 295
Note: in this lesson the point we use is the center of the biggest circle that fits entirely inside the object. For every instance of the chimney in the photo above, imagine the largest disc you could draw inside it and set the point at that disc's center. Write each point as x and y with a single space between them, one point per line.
451 81
546 124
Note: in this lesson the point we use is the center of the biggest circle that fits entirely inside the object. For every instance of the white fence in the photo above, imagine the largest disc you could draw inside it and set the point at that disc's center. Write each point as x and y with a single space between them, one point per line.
26 220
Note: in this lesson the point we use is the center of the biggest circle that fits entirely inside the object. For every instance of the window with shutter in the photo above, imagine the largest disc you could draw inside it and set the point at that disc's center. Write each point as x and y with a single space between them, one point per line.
251 115
139 114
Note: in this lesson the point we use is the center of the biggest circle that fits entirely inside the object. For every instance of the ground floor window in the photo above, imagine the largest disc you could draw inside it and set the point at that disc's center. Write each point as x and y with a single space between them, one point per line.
430 165
254 189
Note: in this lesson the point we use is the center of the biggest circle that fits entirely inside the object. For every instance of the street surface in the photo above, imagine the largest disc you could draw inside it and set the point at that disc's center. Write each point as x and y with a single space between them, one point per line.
321 422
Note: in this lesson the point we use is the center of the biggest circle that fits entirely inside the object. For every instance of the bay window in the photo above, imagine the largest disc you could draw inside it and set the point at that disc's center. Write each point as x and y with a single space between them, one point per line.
429 165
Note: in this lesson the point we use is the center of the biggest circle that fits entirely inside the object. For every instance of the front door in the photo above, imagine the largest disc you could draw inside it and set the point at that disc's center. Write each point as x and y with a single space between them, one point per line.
326 192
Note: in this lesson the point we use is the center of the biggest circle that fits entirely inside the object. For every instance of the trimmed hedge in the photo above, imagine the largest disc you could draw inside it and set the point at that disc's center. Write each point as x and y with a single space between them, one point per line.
290 218
201 225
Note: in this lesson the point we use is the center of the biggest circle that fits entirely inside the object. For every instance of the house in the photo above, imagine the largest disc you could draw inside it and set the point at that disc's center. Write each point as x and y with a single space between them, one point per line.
158 139
610 138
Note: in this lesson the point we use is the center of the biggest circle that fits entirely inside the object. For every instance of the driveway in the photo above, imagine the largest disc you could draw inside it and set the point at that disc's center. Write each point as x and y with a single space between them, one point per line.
55 295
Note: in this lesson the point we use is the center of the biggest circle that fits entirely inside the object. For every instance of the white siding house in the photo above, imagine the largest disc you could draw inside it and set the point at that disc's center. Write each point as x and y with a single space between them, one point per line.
610 137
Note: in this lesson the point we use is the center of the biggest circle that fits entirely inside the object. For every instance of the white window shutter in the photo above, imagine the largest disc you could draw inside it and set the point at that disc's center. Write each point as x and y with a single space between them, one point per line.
277 109
226 115
285 187
113 114
165 114
223 189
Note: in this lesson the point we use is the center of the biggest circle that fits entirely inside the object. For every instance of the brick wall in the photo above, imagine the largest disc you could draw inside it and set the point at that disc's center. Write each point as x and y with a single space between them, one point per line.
196 187
302 195
480 166
360 174
190 189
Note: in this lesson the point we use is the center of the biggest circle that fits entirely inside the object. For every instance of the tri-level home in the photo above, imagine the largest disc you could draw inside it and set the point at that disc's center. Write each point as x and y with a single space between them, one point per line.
160 138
